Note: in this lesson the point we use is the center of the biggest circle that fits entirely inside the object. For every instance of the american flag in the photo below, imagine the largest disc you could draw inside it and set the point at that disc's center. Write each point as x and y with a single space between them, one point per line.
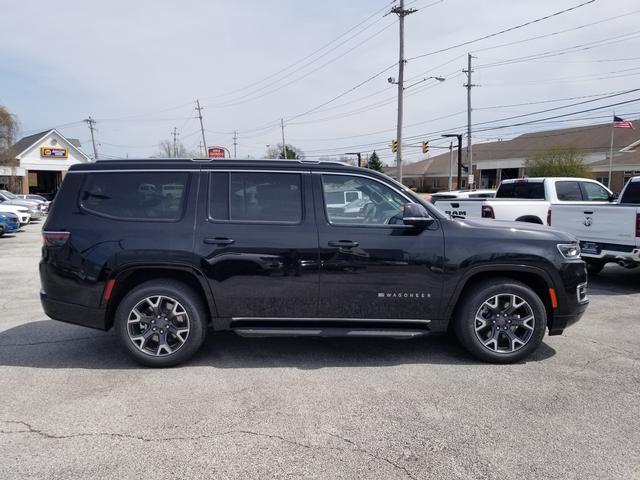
621 123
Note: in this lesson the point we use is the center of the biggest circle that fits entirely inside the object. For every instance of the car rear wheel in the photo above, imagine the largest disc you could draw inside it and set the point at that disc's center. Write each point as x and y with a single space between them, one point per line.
161 323
500 320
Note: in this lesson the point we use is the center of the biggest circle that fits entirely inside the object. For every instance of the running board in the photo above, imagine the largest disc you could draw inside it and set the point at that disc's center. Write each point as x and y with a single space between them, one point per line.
328 332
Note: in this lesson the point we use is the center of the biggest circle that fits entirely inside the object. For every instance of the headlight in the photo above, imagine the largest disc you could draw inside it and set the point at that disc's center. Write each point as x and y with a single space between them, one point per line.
569 250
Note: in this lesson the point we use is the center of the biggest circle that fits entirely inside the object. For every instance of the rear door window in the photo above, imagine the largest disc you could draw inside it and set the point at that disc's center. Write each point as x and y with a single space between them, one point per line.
135 195
569 191
256 197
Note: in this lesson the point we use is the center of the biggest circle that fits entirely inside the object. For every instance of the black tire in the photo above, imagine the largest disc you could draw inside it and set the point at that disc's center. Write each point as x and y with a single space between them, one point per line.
594 267
502 349
192 316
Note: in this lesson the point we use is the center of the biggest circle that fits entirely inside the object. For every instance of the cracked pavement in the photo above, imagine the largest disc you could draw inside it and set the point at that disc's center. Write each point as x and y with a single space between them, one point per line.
73 406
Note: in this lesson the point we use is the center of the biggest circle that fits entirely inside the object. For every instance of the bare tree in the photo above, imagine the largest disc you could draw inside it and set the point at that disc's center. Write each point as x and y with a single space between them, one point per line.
166 150
8 131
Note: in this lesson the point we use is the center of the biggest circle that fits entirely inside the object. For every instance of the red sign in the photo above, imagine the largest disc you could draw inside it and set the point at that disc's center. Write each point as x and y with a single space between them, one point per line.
216 152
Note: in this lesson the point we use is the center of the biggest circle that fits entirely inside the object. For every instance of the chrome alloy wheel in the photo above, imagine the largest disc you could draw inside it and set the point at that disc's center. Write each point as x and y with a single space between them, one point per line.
158 325
504 323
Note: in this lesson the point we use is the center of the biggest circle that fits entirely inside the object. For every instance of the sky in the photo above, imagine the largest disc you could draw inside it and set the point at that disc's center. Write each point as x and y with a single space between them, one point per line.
137 68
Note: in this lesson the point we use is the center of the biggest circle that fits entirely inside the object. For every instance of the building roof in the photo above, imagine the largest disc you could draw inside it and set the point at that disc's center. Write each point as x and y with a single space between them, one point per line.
25 142
590 139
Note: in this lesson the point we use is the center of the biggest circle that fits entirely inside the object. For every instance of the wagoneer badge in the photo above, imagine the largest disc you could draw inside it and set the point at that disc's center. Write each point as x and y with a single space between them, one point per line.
403 295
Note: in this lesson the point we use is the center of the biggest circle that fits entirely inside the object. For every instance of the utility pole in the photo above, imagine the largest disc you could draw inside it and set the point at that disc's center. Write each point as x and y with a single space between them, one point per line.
458 136
175 142
469 86
204 141
91 122
284 148
401 12
235 144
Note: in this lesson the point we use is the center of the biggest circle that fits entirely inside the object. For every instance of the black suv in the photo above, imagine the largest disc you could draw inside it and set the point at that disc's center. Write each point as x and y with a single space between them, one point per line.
165 250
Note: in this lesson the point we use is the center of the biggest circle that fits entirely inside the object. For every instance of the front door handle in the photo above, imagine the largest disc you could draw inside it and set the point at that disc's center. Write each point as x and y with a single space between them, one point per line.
219 240
343 243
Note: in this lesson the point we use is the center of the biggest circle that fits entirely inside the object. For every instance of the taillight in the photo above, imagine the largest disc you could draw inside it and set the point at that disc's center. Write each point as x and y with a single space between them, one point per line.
638 225
55 239
487 211
549 217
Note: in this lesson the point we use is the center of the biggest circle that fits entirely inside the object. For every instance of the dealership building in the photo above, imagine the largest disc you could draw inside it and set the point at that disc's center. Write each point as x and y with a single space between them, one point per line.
500 160
40 162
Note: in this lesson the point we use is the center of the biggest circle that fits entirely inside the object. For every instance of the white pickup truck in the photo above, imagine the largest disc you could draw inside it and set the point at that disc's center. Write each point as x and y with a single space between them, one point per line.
607 233
527 199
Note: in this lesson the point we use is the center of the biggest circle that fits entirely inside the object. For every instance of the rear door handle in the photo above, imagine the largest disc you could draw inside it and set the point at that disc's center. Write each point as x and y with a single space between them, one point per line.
218 240
343 243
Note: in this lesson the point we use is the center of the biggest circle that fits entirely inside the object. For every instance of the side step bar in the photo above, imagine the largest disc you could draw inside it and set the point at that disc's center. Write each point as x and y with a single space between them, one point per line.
328 332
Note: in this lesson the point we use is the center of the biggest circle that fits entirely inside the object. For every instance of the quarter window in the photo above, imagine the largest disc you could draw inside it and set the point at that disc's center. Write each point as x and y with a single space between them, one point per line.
374 203
136 195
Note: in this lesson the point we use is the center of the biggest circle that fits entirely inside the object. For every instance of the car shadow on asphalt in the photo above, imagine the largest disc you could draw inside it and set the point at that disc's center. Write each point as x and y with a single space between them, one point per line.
615 280
50 344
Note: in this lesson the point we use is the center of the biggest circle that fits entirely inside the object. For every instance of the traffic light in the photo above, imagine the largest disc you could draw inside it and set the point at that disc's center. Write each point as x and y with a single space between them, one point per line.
425 146
394 146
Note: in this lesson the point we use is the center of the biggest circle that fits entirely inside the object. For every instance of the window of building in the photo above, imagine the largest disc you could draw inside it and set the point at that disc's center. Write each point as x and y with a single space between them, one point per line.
136 195
377 203
603 180
435 183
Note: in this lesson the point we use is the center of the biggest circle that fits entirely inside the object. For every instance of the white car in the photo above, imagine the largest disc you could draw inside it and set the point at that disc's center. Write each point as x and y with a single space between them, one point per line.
607 232
24 217
528 199
480 193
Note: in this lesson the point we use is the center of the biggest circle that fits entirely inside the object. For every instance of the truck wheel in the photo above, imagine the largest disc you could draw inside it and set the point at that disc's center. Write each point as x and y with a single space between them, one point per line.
594 267
500 320
161 323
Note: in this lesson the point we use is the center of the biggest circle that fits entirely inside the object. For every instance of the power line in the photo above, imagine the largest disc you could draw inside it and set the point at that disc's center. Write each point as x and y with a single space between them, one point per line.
506 30
297 62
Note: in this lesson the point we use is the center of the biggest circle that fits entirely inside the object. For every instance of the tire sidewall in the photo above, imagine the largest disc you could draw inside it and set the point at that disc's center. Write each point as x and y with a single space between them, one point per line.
465 319
189 300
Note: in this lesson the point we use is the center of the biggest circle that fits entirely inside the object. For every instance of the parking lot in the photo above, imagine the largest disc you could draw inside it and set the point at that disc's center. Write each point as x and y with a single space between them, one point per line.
74 406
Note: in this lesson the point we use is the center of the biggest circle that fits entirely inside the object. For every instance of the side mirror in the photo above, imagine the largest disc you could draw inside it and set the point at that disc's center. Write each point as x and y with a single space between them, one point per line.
416 215
614 196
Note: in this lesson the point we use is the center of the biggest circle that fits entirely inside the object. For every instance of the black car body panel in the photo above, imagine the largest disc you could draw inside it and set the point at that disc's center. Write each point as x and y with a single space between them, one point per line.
301 265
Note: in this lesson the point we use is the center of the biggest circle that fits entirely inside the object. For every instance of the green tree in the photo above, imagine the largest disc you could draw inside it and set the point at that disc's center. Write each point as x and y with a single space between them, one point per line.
275 151
557 162
374 162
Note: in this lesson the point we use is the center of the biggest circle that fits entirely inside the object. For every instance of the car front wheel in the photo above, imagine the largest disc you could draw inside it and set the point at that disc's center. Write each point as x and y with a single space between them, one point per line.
500 320
161 323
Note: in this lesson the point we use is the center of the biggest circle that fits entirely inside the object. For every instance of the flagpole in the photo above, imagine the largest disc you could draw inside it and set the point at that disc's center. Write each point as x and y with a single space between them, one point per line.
613 121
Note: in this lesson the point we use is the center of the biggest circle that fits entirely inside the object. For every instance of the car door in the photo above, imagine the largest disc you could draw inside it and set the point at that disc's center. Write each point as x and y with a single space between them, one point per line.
256 242
372 265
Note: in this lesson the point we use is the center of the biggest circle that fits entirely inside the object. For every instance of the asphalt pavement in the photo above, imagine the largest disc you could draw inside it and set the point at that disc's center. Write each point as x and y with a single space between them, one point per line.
72 405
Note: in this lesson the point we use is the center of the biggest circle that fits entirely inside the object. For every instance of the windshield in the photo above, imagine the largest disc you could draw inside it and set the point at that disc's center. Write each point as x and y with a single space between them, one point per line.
8 194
